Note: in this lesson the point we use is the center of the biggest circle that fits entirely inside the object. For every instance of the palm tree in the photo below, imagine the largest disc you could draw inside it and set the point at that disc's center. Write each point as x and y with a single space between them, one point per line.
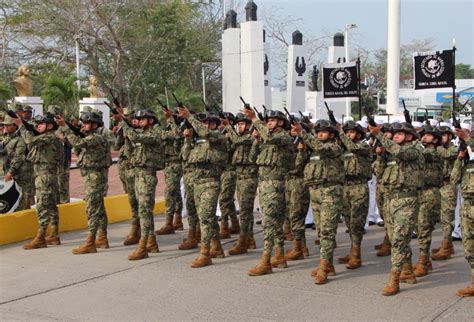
63 92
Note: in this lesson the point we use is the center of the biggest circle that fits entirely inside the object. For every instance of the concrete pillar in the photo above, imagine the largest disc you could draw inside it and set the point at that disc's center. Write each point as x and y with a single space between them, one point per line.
34 101
393 57
267 74
231 65
297 79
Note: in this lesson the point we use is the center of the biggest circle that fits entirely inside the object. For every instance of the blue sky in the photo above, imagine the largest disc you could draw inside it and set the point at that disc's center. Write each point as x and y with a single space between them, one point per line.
438 19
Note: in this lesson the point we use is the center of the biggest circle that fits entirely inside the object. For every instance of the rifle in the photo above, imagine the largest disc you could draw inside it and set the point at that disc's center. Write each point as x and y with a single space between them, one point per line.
293 121
166 108
304 117
425 117
264 109
27 125
406 112
331 115
75 130
370 118
462 143
185 122
247 106
111 108
260 115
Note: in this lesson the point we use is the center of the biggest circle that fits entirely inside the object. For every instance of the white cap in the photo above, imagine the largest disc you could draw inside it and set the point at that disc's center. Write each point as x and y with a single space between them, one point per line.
434 122
417 124
363 124
444 124
466 126
379 121
348 118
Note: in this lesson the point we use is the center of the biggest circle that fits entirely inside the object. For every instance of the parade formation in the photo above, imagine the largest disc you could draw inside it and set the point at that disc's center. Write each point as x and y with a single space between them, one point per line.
291 162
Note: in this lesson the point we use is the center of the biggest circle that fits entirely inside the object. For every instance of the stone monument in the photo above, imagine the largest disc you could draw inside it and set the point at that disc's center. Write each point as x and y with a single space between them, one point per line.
96 101
297 79
24 89
231 64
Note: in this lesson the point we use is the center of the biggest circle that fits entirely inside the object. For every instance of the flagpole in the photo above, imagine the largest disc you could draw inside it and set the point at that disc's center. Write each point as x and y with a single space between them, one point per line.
358 87
454 74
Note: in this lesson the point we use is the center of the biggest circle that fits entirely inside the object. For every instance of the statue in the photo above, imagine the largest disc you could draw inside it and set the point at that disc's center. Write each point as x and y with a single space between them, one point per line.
23 83
230 20
93 90
251 11
314 78
297 38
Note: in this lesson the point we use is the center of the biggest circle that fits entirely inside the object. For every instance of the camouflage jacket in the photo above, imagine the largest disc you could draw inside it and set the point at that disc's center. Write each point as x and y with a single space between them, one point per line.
147 146
357 159
448 154
16 151
44 149
241 156
173 141
432 176
92 150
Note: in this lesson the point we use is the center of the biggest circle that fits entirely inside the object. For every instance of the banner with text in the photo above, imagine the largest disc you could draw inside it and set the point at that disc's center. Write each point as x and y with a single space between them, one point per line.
433 69
340 80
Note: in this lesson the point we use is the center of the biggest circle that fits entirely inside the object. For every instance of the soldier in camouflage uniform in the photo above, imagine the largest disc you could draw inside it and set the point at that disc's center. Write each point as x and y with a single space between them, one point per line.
228 186
324 175
247 180
274 161
15 166
93 163
404 168
448 193
147 158
463 173
25 111
127 174
43 153
358 171
383 249
207 157
429 197
173 141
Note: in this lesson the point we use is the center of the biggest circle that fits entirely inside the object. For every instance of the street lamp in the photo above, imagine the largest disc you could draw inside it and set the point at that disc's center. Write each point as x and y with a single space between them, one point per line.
348 27
77 37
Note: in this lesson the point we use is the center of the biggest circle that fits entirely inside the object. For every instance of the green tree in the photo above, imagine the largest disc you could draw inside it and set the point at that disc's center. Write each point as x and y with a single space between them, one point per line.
464 71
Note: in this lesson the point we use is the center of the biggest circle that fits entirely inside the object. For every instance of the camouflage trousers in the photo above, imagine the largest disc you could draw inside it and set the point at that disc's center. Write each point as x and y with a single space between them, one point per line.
326 203
145 186
401 211
355 209
246 191
448 207
206 195
127 177
95 184
23 180
272 202
297 203
427 215
226 197
467 229
46 183
174 204
193 219
63 183
30 190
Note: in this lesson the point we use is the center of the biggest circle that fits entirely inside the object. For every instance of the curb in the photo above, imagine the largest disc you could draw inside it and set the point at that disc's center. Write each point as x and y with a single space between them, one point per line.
23 224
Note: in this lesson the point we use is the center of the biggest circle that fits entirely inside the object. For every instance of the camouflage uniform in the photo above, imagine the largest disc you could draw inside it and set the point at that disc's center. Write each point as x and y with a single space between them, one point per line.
64 173
401 175
324 175
44 155
16 163
146 159
93 162
274 161
206 160
228 186
463 173
429 198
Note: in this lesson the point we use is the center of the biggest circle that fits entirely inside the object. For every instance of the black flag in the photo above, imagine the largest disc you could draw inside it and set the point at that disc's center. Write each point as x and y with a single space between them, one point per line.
433 69
340 80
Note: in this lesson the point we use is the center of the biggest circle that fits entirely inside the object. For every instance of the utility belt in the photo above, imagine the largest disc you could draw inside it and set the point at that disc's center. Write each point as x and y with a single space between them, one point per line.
352 181
314 158
323 184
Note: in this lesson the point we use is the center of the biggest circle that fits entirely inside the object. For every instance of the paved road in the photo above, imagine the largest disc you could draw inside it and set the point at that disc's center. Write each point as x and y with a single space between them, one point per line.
53 284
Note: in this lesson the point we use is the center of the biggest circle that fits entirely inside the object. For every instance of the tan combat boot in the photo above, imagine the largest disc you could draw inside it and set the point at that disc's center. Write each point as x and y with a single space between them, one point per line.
198 232
304 247
287 232
87 248
151 244
204 258
345 259
234 226
167 228
278 261
38 242
330 271
468 290
190 242
435 250
443 253
385 241
53 238
133 236
262 268
393 285
386 249
322 273
407 275
224 232
296 253
140 252
251 244
355 261
101 240
240 247
216 249
178 222
421 267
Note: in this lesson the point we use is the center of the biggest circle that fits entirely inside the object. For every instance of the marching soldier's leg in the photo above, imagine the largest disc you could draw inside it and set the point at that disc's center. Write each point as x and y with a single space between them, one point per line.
178 209
226 202
359 195
172 191
101 240
193 220
297 201
447 218
467 226
133 236
64 175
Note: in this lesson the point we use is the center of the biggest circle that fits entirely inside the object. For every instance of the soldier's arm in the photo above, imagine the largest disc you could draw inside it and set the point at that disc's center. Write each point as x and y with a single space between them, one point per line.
379 165
233 136
254 150
456 173
300 160
26 135
470 142
18 157
356 147
403 152
148 137
200 129
119 141
80 143
431 155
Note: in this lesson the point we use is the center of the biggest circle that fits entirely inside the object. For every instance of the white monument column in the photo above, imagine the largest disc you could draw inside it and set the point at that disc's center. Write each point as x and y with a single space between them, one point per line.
251 47
297 79
267 73
231 64
393 57
97 103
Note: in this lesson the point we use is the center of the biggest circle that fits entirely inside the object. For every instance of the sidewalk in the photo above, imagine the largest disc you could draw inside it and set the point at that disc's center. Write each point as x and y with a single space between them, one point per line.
53 284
